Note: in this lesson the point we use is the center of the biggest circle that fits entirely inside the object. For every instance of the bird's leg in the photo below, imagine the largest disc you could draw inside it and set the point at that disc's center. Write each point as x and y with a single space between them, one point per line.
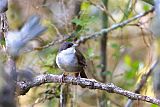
63 77
78 76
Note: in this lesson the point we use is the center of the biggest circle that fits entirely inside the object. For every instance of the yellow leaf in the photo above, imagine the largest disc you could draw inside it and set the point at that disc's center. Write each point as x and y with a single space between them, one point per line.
85 6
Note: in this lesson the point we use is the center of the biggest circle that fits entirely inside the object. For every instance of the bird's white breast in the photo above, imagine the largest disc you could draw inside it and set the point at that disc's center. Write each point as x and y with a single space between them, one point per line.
67 60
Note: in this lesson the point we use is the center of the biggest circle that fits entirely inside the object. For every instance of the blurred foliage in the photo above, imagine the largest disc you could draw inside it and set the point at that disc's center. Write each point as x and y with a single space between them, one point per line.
90 53
132 68
47 62
128 10
153 105
116 47
50 26
149 1
85 19
14 16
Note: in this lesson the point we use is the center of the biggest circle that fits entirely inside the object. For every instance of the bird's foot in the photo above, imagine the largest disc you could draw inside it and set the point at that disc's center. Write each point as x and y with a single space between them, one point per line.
63 78
78 76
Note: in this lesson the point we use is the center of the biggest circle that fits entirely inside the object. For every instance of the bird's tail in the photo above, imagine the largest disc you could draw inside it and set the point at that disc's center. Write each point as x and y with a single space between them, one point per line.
31 29
83 74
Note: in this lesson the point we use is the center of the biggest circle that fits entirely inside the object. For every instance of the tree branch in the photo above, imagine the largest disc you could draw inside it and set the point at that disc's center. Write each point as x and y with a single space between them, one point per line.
97 34
24 86
113 27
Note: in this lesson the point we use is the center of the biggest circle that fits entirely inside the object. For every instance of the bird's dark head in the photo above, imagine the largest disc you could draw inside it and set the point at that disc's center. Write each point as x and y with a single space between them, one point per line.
65 46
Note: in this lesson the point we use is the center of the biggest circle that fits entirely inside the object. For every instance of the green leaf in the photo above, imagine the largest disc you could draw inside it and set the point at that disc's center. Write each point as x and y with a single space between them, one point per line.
78 22
127 11
99 66
146 7
85 5
114 45
135 65
109 73
116 55
127 60
106 73
2 42
130 74
153 105
96 57
90 52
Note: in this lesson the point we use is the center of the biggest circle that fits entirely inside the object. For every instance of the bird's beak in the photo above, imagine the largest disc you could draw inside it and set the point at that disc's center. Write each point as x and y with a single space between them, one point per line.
75 45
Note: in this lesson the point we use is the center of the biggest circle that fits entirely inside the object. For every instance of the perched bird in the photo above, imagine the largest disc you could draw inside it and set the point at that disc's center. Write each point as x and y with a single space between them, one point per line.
3 6
71 60
16 40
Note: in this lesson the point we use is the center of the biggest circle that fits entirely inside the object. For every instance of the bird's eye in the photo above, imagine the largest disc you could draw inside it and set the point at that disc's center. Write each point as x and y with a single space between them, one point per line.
69 45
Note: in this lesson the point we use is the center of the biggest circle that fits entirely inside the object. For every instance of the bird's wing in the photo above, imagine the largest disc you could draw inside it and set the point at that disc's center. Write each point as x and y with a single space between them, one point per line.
82 62
81 59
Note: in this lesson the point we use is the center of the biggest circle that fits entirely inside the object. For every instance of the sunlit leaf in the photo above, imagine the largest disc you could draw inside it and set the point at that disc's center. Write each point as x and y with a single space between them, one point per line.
85 5
90 52
153 105
109 73
106 73
99 66
146 7
127 60
114 45
78 21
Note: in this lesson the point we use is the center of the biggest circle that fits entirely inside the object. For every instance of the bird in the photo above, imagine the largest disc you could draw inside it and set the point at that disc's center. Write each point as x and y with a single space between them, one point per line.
3 6
16 40
71 60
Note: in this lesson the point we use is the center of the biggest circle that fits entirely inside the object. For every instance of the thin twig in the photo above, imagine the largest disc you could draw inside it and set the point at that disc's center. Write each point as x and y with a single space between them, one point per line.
113 27
54 42
97 34
102 8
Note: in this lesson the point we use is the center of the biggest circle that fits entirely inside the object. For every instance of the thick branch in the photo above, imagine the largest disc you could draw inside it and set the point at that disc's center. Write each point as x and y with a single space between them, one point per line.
23 87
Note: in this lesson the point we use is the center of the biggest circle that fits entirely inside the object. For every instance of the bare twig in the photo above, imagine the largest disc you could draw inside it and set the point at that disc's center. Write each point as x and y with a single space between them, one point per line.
24 86
113 27
57 31
102 8
97 34
54 42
